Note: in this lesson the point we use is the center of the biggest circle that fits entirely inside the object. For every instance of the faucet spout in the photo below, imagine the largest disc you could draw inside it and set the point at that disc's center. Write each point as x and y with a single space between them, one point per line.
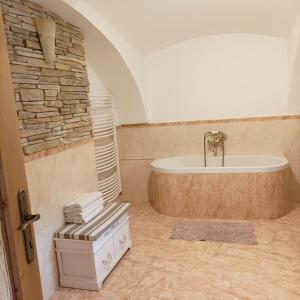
215 150
214 140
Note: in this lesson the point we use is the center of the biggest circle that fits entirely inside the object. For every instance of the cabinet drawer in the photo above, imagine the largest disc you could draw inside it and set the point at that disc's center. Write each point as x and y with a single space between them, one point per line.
121 238
105 258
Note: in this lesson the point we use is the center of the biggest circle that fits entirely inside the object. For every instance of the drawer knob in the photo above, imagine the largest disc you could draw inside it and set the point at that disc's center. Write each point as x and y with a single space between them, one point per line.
107 231
106 262
122 241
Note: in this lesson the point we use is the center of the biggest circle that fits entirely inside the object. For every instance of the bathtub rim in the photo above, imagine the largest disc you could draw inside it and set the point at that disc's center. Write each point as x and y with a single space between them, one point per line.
282 164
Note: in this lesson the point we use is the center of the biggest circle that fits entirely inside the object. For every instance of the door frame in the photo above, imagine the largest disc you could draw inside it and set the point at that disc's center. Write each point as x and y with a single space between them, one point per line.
26 276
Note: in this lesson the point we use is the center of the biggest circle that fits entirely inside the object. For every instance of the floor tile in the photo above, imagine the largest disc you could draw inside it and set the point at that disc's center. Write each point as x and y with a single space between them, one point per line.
159 268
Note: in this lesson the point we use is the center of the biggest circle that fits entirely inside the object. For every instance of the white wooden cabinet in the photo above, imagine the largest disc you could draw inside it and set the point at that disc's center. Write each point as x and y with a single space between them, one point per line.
85 264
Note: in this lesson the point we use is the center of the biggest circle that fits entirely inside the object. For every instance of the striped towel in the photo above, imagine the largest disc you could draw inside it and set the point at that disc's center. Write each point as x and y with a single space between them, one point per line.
95 228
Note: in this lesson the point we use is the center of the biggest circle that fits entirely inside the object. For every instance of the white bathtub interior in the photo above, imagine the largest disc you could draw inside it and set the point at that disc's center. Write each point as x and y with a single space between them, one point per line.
233 164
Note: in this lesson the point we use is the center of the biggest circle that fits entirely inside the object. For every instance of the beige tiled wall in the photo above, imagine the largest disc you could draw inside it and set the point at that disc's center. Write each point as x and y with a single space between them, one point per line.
54 181
139 145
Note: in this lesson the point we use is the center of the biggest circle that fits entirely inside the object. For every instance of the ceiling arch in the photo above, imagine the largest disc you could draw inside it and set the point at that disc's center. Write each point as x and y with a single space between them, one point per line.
150 25
117 64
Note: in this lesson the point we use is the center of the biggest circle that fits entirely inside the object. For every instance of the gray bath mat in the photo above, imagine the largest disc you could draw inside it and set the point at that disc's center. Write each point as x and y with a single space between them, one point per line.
215 231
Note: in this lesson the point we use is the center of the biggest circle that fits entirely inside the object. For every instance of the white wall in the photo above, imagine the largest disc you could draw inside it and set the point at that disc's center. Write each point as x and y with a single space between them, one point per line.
292 45
97 88
219 76
294 69
119 65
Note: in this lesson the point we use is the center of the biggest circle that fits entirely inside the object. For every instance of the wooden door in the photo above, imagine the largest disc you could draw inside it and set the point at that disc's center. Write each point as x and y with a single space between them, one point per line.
26 276
8 289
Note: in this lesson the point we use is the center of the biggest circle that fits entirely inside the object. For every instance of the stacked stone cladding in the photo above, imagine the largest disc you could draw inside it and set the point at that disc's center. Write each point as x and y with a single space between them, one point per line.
52 99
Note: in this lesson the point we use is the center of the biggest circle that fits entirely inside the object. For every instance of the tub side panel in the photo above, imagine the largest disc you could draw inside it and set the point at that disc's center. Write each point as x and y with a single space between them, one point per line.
221 196
272 191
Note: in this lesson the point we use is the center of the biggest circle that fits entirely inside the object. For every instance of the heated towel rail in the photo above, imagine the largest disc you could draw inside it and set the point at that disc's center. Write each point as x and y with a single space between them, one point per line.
106 151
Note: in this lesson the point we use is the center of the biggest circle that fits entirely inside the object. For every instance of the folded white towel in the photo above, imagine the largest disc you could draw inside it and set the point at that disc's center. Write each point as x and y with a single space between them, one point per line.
74 211
83 218
85 212
84 201
84 208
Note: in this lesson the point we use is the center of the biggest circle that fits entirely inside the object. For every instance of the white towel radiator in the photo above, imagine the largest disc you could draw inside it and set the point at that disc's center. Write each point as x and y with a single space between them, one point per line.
106 151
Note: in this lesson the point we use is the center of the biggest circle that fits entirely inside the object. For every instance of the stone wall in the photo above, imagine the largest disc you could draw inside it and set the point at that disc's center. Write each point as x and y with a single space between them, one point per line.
52 99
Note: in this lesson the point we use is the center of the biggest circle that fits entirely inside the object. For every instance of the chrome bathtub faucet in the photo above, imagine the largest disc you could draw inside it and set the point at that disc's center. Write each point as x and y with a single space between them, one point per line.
214 140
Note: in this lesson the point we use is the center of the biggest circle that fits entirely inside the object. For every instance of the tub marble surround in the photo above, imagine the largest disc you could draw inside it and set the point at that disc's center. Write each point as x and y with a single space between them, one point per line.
221 196
158 268
139 145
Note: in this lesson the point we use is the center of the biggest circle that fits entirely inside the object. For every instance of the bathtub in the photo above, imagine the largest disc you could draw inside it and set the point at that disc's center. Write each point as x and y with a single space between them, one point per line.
247 187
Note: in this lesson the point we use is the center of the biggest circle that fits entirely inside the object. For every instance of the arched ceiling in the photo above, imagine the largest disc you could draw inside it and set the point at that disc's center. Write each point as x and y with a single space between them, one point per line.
106 61
150 25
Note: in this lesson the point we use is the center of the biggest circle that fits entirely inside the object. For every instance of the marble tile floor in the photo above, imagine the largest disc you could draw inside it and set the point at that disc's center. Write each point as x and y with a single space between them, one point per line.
157 268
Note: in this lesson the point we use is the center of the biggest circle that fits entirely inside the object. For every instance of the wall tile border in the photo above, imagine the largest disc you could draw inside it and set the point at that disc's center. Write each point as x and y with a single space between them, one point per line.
215 121
56 150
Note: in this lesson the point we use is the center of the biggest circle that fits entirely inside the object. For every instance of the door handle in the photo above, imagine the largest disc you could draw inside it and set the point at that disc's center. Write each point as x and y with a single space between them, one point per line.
26 220
30 219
